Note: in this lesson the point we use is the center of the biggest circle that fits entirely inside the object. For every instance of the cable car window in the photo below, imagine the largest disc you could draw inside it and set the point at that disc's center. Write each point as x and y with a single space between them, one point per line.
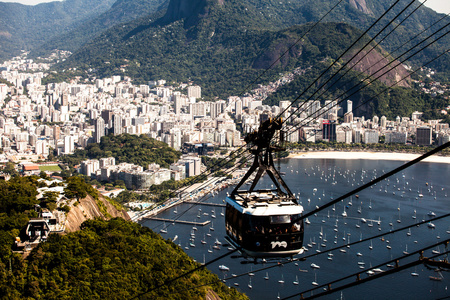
280 219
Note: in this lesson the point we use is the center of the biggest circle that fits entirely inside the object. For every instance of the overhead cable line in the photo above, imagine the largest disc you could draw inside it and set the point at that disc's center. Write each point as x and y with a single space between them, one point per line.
289 49
179 192
204 197
295 127
170 281
340 56
341 96
384 73
359 280
277 60
376 180
353 64
380 235
304 258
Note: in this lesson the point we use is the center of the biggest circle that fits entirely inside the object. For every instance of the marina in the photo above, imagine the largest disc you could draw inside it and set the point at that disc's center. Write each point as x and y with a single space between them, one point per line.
375 211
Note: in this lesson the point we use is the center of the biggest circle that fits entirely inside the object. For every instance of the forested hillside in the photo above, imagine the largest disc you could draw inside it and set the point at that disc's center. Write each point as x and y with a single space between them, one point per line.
134 149
121 11
114 259
23 27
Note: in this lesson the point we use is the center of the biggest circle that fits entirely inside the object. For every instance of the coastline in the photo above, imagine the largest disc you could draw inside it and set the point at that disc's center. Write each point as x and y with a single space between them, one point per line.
368 155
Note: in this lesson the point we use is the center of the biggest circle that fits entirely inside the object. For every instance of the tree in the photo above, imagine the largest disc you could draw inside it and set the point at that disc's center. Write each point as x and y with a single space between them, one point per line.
10 169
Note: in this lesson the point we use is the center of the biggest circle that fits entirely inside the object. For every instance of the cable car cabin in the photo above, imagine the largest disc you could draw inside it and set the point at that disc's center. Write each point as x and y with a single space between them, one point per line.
263 225
260 222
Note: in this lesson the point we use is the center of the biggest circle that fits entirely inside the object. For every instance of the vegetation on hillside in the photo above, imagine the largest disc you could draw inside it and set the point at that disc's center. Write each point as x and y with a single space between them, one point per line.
26 26
219 47
373 99
121 11
134 149
114 259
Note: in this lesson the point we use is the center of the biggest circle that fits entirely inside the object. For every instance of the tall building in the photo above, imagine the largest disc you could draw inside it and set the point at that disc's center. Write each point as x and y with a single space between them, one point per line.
283 108
217 108
238 108
198 109
56 132
107 116
370 137
423 136
116 124
348 117
383 121
99 129
178 102
194 91
69 144
349 106
329 130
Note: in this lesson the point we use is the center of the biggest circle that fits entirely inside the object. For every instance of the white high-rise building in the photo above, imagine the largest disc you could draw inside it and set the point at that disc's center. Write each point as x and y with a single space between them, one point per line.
238 108
194 91
69 144
99 129
349 106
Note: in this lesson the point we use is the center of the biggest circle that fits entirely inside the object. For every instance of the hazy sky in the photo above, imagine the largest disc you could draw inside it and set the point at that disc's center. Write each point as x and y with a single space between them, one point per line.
442 6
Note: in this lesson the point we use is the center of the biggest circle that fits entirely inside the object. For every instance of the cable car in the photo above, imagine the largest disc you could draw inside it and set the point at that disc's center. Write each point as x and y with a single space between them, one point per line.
264 222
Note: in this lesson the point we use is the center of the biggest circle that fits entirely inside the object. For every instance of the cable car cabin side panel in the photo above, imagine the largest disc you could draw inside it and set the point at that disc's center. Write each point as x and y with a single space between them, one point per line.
271 231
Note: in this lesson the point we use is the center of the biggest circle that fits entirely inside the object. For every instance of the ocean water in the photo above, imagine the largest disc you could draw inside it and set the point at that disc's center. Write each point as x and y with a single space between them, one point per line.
393 202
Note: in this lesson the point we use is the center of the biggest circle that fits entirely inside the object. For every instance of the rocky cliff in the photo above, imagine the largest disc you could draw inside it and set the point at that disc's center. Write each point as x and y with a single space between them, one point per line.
191 11
89 208
374 63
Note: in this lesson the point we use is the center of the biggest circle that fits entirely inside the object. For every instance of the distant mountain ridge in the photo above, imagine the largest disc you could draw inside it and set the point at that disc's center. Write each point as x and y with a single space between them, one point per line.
64 25
23 27
120 12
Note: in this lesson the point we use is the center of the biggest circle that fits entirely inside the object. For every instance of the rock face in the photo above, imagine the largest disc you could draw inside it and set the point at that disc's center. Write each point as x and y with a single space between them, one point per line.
189 10
361 6
88 208
373 63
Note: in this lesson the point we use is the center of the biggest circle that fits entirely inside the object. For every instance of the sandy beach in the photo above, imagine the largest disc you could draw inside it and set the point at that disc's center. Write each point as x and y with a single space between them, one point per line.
369 155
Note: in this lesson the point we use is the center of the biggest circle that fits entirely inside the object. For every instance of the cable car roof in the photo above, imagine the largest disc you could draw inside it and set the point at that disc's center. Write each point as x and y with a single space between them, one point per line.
263 204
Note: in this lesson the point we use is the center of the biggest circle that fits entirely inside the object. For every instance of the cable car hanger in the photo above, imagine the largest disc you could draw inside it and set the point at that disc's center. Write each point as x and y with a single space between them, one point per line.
263 146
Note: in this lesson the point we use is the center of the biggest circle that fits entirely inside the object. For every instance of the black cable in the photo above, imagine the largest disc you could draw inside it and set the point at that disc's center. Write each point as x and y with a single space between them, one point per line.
267 69
330 290
340 56
362 87
303 258
367 53
204 197
376 180
406 165
283 112
289 49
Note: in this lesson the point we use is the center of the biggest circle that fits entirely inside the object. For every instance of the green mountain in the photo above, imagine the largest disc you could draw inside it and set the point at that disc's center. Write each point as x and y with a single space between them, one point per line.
23 27
225 45
121 11
115 259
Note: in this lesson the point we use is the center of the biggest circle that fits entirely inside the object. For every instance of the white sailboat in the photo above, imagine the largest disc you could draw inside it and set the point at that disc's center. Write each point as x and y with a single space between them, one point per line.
164 229
295 282
267 276
315 280
406 250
